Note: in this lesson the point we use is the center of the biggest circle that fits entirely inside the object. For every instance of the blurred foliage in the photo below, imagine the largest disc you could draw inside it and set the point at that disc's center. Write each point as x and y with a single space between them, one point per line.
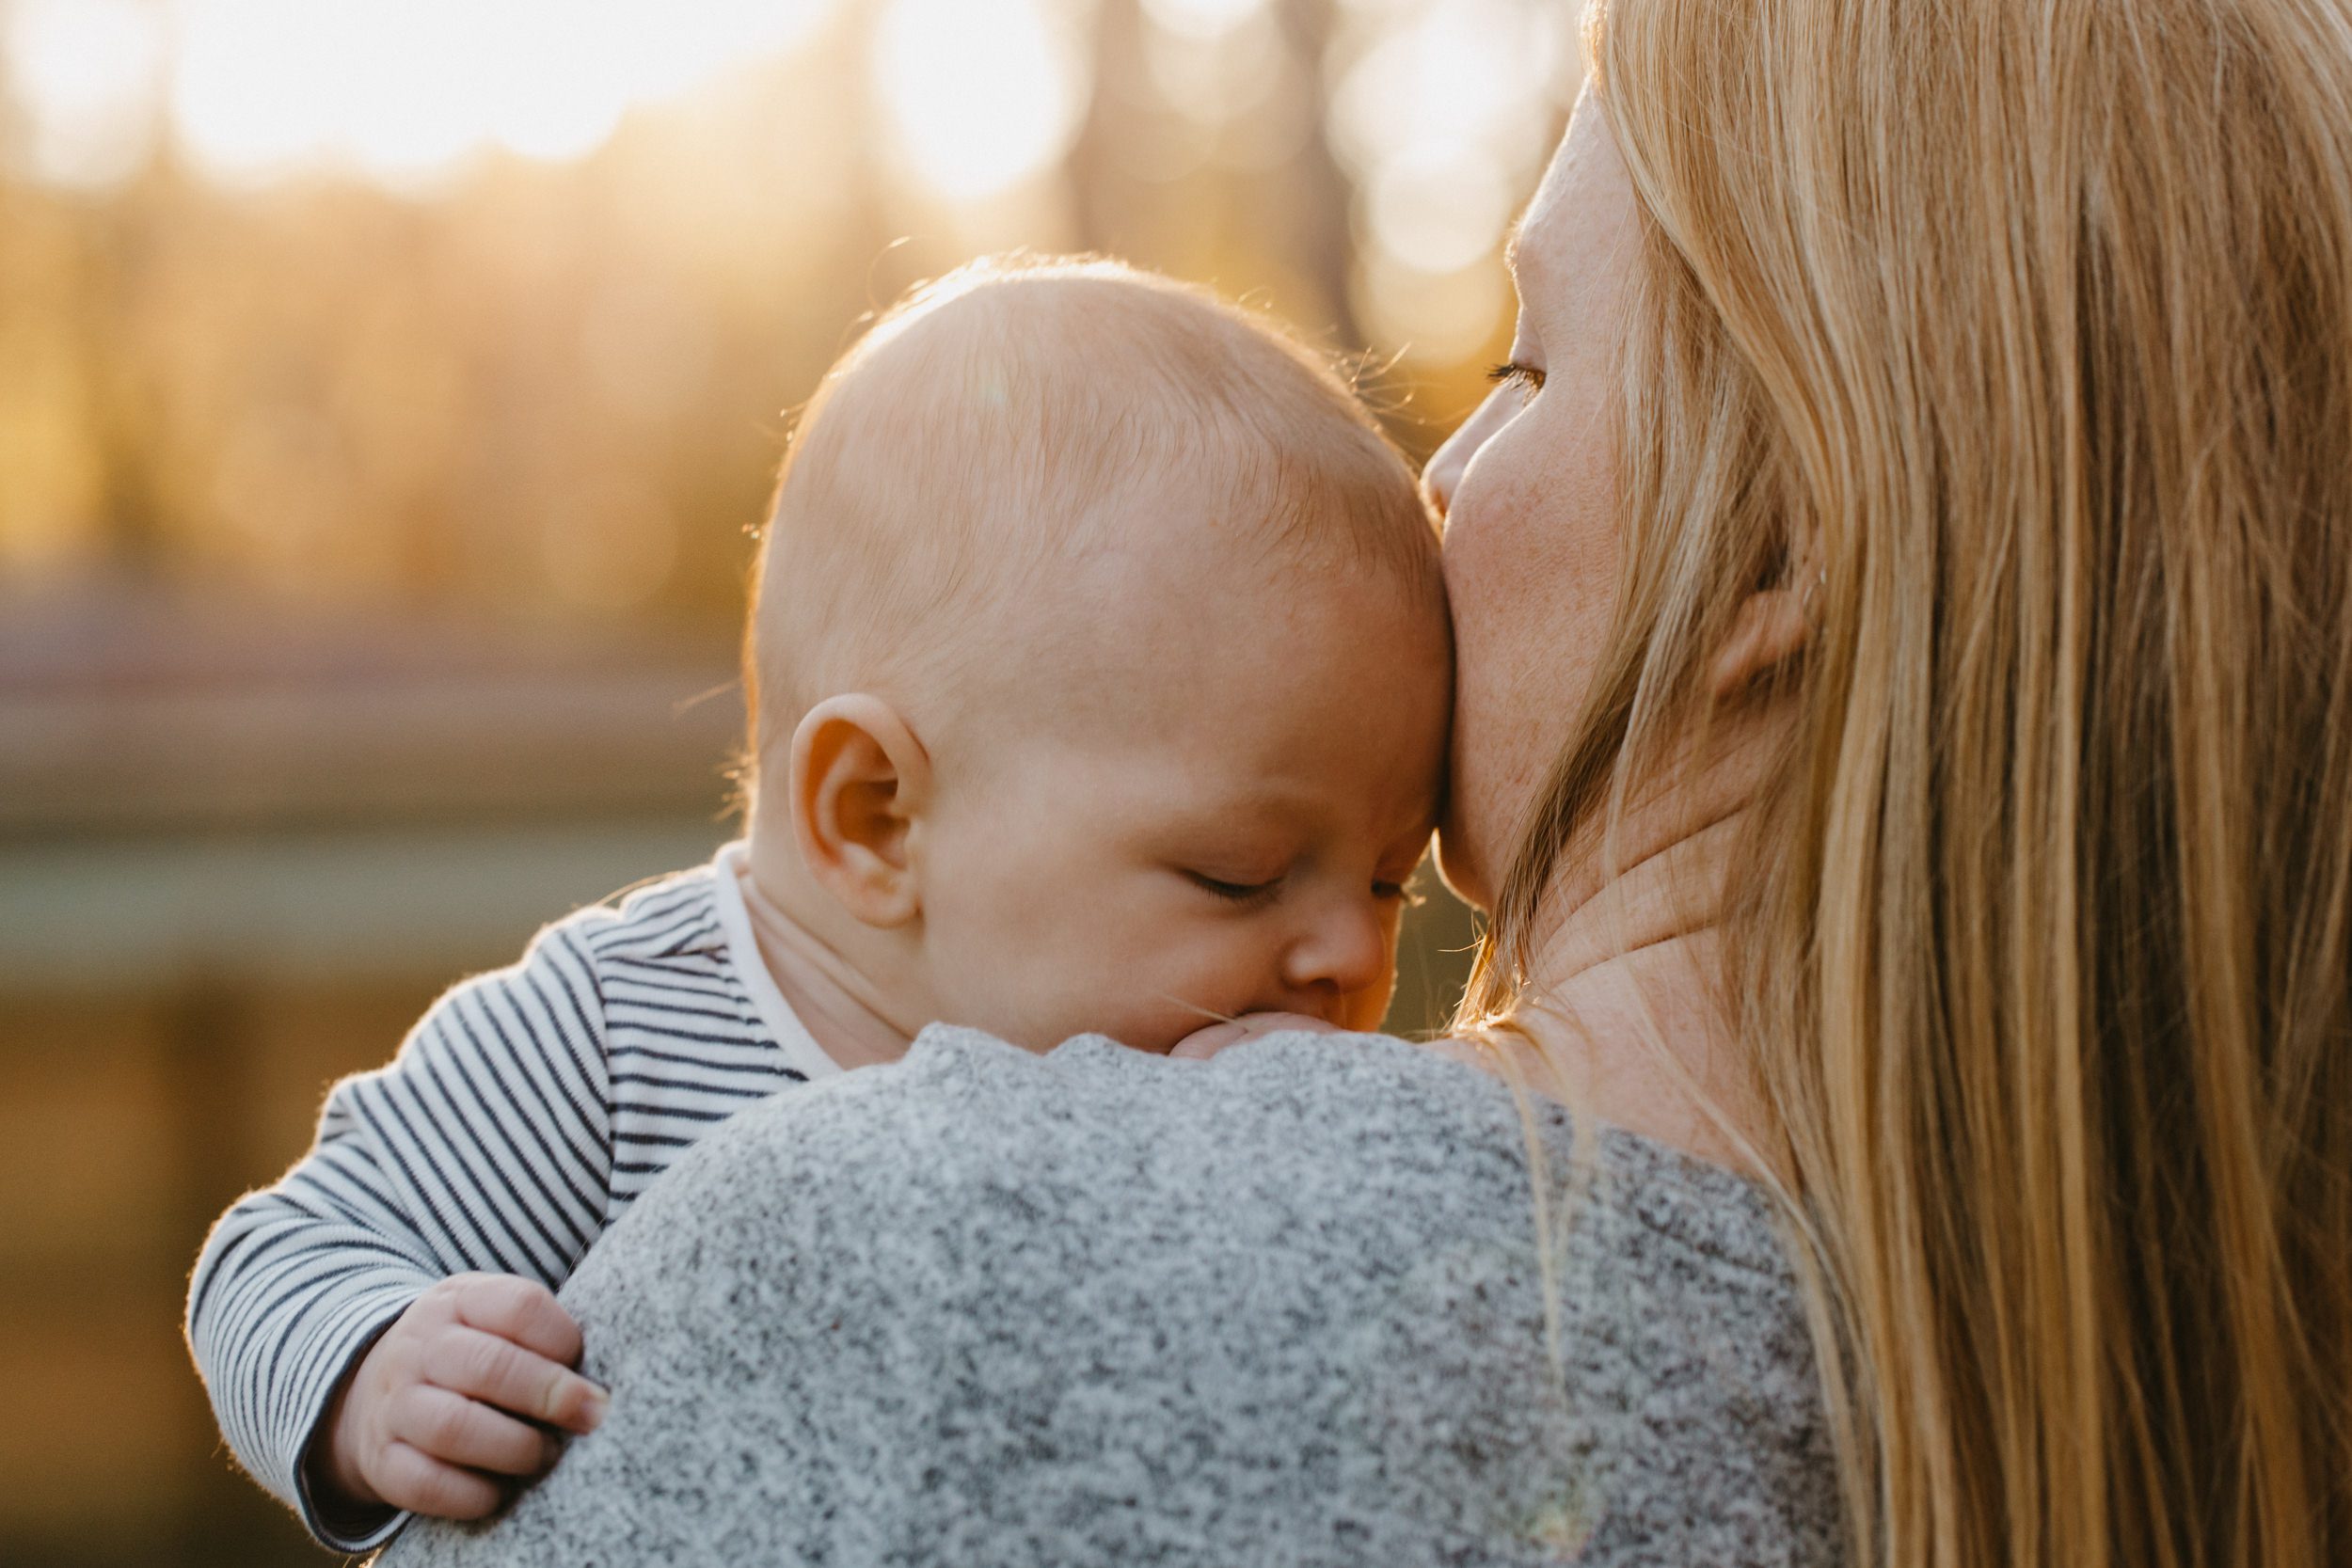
558 390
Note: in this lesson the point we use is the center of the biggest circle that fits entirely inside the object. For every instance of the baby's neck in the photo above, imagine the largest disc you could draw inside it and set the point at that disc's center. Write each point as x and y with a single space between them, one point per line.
836 1005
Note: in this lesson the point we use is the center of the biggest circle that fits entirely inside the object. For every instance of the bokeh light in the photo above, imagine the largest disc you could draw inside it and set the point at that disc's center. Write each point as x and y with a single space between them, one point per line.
1443 114
1430 319
406 91
981 94
1203 18
86 72
1216 75
1438 210
354 286
1469 73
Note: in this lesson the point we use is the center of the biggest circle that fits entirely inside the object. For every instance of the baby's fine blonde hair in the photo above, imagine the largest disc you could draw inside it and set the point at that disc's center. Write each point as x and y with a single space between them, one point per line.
1019 413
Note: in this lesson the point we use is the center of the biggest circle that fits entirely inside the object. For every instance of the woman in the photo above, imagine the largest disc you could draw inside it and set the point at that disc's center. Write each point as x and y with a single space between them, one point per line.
1904 740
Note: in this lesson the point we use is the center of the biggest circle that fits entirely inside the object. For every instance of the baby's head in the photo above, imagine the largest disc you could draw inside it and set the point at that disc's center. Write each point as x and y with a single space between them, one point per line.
1099 666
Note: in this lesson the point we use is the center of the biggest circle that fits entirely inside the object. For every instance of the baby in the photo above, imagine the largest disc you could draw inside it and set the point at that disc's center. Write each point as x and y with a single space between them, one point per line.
1099 675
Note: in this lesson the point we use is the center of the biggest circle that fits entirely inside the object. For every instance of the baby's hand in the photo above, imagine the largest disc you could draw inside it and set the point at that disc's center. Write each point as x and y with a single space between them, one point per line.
1202 1044
446 1401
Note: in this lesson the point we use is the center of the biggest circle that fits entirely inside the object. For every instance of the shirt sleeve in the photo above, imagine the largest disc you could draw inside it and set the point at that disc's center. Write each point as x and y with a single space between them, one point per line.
486 1145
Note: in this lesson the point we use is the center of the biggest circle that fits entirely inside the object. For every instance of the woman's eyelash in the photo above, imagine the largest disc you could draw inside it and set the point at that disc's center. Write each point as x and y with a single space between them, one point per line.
1528 378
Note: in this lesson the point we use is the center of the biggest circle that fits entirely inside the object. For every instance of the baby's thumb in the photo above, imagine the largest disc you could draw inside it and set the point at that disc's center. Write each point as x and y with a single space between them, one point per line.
1202 1044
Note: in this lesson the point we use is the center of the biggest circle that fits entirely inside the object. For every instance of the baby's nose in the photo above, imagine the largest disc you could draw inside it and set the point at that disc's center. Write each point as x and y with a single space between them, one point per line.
1344 951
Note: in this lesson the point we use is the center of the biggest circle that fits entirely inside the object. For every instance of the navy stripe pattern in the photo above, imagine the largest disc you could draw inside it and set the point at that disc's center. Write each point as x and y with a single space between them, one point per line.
521 1117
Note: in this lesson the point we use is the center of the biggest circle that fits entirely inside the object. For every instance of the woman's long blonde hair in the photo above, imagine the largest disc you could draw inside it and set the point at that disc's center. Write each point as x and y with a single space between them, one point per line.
2019 334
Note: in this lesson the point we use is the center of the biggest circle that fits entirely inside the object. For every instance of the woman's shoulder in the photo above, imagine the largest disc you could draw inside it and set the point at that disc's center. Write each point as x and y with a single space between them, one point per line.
1320 1111
1306 1303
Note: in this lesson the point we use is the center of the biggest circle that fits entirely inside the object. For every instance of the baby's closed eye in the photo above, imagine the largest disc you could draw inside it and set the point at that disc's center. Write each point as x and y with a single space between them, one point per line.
1266 889
1236 892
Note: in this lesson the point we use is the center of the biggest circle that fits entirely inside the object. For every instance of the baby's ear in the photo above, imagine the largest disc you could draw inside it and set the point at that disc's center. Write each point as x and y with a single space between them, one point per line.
859 779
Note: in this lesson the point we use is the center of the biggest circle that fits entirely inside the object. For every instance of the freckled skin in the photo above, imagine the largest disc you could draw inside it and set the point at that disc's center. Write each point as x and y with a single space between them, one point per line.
1529 489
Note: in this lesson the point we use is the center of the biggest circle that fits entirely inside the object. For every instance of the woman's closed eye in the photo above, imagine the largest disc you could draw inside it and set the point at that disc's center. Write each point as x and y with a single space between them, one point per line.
1528 378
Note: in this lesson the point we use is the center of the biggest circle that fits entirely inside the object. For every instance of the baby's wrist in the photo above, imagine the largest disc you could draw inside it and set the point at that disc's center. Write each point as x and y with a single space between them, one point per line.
335 1486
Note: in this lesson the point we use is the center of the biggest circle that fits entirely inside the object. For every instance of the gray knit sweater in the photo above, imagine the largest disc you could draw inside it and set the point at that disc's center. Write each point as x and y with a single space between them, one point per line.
1095 1307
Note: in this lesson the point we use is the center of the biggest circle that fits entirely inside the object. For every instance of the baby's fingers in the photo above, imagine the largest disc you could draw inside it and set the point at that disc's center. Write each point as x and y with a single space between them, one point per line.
455 1429
501 1373
409 1478
1202 1044
520 1309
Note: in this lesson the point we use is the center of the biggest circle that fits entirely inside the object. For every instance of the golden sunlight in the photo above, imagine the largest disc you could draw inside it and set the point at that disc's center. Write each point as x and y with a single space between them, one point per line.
406 91
1443 119
85 72
1202 17
391 391
979 93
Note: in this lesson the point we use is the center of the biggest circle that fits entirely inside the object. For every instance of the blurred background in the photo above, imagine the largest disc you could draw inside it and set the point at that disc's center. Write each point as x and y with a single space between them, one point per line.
386 387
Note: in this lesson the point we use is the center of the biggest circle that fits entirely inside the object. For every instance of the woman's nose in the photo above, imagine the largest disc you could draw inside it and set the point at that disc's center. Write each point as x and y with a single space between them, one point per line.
1444 474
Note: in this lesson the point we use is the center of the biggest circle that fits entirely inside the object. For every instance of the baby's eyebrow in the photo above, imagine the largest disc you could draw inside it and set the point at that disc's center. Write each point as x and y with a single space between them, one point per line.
1259 798
1245 822
1241 824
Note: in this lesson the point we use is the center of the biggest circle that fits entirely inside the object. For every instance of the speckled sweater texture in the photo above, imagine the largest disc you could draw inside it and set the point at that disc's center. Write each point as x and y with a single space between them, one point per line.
1093 1307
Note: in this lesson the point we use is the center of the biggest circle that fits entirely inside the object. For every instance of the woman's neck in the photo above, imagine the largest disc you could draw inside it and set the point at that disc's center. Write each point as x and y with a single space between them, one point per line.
840 1009
1626 998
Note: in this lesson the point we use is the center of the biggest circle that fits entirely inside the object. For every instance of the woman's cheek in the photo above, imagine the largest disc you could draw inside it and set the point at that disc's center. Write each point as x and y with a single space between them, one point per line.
1530 566
1478 548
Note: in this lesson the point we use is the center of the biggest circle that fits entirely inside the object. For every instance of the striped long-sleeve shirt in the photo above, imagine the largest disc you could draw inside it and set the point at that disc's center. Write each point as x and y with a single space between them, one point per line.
520 1118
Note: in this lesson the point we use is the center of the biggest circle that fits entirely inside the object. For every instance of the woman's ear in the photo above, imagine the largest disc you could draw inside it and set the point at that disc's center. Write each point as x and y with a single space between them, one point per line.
1770 628
860 781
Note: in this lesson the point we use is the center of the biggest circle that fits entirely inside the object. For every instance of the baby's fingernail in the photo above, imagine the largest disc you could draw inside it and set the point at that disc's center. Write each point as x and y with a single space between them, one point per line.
592 1409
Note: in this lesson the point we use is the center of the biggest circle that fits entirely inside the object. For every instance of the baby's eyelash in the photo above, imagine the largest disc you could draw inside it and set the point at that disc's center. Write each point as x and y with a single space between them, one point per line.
1236 892
1528 378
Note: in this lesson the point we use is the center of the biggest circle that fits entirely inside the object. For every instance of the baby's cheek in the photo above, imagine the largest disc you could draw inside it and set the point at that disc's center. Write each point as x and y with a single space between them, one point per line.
1133 1005
1002 968
1367 1007
1181 983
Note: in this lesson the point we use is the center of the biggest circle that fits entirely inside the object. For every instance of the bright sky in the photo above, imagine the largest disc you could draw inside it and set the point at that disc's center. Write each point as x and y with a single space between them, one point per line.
980 93
1442 111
